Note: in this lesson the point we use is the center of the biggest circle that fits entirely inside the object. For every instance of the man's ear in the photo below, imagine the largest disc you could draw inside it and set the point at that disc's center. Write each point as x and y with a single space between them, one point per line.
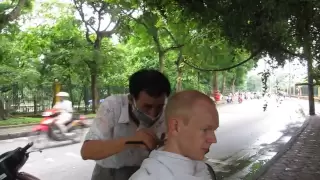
174 125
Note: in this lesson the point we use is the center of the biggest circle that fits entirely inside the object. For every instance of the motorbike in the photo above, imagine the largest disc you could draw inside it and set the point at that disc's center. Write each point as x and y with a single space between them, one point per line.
12 161
240 100
229 99
49 128
265 106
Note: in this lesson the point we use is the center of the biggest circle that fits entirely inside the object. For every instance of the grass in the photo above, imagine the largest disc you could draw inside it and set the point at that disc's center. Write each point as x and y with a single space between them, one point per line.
29 120
19 121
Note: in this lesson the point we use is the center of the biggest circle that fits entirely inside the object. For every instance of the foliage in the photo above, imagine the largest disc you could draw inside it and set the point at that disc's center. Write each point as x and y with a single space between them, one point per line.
10 11
280 29
77 48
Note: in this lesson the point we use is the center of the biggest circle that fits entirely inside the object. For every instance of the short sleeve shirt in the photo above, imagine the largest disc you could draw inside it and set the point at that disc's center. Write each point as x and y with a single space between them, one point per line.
112 121
65 105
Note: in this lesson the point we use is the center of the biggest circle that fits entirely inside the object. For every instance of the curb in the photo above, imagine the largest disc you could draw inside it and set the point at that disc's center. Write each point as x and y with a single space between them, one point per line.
15 135
282 151
23 134
15 126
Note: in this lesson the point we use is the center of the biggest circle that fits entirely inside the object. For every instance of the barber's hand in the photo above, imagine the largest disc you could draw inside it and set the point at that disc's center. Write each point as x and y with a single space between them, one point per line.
148 137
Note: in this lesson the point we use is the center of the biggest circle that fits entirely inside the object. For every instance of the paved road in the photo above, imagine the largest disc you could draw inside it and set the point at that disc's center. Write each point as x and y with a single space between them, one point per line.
244 128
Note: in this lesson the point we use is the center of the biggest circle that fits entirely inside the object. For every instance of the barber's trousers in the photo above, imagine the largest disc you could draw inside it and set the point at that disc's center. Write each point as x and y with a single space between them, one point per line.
124 173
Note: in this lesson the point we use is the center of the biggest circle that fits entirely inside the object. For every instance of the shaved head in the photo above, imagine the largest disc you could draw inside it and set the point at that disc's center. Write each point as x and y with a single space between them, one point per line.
183 103
192 119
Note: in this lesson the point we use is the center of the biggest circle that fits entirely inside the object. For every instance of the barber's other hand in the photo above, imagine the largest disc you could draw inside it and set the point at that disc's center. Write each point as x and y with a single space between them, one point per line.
148 137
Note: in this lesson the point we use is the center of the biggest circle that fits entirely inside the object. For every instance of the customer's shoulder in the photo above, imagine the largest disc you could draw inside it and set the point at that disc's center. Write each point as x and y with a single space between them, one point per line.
152 169
142 174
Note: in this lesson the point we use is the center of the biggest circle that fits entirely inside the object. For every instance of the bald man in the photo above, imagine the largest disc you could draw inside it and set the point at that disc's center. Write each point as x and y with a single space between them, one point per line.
192 119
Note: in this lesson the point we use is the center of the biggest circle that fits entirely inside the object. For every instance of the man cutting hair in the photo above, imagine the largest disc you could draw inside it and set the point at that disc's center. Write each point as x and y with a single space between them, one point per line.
127 118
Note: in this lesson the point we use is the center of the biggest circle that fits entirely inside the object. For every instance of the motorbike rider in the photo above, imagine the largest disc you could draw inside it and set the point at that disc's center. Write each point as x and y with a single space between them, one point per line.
229 98
240 97
64 106
121 119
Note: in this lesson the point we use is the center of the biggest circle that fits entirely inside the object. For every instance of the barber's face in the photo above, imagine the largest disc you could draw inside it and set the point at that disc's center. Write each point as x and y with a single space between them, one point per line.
198 134
149 105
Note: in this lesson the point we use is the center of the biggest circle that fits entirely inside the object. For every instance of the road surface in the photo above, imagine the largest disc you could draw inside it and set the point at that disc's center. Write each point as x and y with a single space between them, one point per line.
244 130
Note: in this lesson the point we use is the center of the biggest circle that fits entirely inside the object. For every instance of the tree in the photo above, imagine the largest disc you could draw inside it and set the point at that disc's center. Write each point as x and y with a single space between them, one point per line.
94 24
277 28
11 10
156 28
254 83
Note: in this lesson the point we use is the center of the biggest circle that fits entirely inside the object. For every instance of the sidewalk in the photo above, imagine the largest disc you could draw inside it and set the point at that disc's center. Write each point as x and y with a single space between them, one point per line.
302 160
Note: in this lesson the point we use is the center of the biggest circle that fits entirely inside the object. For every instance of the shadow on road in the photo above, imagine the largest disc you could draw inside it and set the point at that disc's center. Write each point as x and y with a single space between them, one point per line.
244 164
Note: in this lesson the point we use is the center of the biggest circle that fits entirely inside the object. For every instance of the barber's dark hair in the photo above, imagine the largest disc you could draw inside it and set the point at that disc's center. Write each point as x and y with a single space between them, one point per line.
153 82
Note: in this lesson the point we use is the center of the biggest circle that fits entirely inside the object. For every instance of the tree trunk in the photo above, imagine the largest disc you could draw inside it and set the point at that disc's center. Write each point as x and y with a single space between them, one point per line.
179 71
223 83
94 92
233 85
70 89
307 10
15 96
79 102
308 55
35 106
161 61
179 79
215 83
85 98
13 15
94 74
2 110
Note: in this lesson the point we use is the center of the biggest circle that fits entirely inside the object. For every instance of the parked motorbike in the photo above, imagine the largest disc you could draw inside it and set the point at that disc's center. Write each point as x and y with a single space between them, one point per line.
49 128
240 100
12 161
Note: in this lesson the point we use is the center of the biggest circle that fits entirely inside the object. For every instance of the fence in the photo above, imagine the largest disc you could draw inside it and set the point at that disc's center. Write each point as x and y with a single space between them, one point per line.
25 100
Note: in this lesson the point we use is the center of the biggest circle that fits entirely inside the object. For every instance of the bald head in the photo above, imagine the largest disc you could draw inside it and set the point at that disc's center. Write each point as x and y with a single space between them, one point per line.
183 104
192 119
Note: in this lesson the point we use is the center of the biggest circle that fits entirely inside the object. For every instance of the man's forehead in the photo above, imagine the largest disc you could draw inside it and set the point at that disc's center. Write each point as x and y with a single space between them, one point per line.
206 111
145 98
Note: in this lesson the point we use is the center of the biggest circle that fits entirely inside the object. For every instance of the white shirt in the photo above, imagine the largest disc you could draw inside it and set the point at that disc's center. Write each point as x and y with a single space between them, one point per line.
162 165
64 105
112 121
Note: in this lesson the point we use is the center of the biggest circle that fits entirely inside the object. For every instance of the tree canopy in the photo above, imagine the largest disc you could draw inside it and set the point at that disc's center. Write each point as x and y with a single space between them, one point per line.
281 30
92 47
